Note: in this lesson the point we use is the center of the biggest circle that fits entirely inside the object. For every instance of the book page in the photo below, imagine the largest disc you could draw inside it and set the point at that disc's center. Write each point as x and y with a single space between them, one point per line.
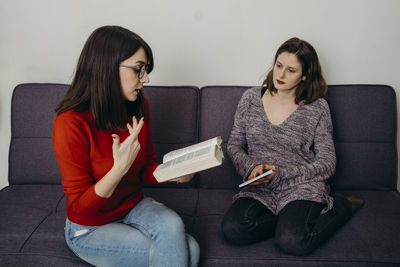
192 162
187 157
177 153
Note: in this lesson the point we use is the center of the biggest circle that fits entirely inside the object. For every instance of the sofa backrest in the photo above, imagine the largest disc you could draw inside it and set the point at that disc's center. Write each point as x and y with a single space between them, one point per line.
174 123
173 116
31 155
364 122
174 120
217 109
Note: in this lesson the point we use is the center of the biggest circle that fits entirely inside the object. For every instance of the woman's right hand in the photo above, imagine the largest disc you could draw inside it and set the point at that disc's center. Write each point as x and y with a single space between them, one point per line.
258 170
125 153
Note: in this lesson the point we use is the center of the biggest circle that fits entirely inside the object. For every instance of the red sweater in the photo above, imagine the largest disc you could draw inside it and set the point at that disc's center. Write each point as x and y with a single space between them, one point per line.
84 156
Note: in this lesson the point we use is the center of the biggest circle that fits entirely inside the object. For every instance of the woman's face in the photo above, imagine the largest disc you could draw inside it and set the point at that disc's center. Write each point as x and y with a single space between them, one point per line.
131 83
287 73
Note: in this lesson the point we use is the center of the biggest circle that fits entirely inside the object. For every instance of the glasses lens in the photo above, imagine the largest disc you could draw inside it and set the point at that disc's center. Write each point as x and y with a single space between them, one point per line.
143 69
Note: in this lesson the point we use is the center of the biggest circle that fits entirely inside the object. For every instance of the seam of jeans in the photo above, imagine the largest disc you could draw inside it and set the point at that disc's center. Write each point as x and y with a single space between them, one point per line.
72 240
313 233
326 225
308 218
93 248
151 255
74 251
310 233
112 249
143 227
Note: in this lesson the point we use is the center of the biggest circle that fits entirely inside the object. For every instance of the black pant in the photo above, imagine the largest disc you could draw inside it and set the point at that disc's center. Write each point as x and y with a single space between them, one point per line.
299 228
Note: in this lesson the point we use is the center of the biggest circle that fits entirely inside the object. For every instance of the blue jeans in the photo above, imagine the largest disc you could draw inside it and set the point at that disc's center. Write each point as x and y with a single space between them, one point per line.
150 235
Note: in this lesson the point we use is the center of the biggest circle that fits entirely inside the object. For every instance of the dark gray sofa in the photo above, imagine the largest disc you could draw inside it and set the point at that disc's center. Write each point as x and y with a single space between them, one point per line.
364 117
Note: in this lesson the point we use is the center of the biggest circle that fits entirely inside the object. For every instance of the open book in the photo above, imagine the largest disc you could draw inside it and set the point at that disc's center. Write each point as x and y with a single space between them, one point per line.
191 159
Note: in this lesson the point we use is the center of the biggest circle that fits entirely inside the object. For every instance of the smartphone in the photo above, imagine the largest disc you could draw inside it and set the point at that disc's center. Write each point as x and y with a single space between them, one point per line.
265 173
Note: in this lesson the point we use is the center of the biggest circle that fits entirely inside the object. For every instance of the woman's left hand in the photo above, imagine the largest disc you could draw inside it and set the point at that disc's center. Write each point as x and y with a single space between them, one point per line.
258 170
183 179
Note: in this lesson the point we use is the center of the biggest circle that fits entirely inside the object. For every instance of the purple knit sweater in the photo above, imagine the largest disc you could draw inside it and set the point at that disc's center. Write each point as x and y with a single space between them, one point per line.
301 147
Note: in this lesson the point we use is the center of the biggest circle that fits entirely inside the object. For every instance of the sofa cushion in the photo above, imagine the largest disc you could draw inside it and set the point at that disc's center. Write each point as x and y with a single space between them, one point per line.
367 239
49 237
32 116
214 122
363 113
364 123
25 207
370 166
173 112
34 196
222 177
174 125
39 260
214 201
21 222
26 153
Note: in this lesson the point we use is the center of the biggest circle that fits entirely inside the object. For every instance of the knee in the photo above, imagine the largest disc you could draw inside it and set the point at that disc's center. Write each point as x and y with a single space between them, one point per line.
233 232
292 243
172 222
228 230
194 250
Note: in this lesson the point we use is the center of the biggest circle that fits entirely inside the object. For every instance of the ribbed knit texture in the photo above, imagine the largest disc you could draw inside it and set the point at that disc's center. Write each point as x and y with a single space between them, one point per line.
301 147
84 155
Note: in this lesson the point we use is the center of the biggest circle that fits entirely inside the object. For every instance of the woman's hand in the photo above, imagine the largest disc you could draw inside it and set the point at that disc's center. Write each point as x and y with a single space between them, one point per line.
125 153
183 179
258 170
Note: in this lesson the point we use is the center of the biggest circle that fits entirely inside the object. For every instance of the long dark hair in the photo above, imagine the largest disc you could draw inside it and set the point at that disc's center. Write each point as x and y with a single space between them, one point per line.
96 85
314 86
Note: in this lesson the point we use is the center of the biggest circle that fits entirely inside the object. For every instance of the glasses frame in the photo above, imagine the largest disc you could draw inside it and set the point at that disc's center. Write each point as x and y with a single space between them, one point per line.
139 70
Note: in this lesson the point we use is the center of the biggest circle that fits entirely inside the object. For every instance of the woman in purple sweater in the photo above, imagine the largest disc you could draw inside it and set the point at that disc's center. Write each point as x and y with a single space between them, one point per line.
285 126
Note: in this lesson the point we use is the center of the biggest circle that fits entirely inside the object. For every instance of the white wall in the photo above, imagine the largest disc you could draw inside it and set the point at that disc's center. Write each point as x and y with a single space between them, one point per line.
198 42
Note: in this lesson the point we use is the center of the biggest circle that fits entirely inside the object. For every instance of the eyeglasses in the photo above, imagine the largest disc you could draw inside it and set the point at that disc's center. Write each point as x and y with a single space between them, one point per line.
139 70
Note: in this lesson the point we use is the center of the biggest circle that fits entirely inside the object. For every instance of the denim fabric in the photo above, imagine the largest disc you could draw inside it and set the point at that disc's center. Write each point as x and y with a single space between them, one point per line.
150 235
299 228
248 221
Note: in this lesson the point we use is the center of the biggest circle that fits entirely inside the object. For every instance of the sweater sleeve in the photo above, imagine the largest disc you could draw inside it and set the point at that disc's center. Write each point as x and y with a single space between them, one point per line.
71 147
151 165
237 144
324 165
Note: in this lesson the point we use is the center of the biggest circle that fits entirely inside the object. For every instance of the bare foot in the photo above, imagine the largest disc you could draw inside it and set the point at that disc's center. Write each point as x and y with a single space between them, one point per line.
356 203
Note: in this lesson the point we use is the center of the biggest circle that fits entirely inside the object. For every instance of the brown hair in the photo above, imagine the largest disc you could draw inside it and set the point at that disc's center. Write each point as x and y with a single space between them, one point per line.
96 83
314 86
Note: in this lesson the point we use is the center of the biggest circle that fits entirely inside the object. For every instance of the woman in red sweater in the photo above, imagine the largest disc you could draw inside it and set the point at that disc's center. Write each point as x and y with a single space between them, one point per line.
103 146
